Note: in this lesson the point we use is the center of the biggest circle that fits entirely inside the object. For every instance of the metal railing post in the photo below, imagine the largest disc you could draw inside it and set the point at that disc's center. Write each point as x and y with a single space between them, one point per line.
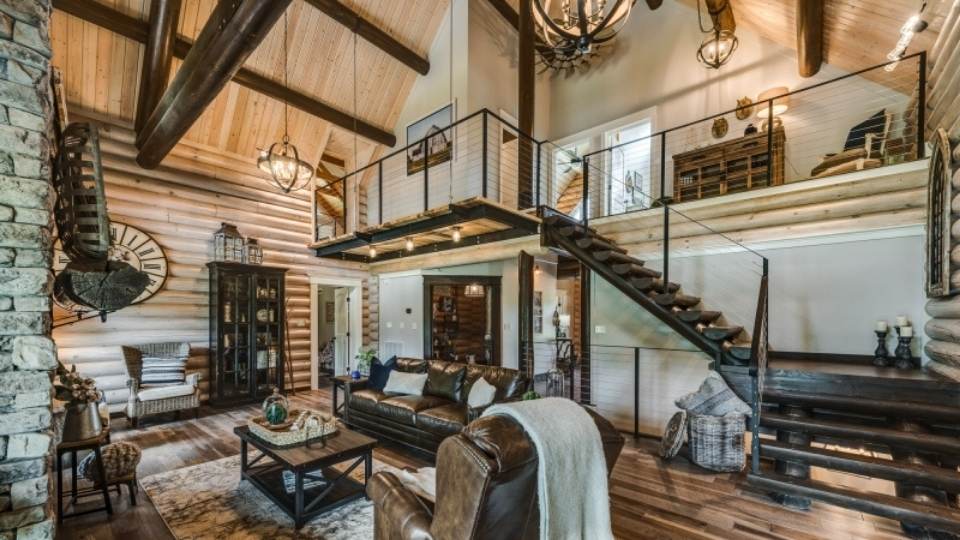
380 191
426 177
343 199
922 108
770 178
539 179
585 166
665 201
636 392
483 159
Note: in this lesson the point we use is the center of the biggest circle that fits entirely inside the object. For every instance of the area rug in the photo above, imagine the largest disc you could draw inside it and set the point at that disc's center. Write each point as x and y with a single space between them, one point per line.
209 501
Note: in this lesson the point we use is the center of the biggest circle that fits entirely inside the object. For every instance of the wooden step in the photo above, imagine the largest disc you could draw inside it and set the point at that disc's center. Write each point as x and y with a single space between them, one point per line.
598 243
676 299
924 515
615 257
853 432
572 231
741 352
876 407
927 475
721 333
634 269
696 316
647 284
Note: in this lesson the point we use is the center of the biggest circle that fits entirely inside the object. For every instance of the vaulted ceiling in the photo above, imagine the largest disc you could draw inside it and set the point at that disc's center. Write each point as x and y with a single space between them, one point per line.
101 71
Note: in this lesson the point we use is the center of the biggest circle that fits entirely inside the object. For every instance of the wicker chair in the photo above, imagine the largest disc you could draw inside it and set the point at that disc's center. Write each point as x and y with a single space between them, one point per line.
160 399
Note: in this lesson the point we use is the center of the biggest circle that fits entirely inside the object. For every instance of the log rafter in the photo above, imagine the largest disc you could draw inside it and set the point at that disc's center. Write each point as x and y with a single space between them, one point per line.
809 36
137 30
157 57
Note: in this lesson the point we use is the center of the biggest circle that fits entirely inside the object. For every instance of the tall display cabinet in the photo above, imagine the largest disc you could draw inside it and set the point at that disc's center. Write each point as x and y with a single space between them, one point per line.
246 332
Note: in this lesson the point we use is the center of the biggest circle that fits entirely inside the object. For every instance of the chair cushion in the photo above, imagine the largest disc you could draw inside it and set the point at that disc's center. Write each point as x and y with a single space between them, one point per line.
163 371
445 420
366 400
380 372
445 379
403 408
163 392
120 461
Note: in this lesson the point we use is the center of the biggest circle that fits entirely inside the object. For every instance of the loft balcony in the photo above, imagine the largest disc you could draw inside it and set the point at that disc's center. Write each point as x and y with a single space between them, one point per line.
480 179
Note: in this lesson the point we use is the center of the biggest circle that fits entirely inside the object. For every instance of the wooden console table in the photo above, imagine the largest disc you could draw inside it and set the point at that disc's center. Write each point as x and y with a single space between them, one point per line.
728 167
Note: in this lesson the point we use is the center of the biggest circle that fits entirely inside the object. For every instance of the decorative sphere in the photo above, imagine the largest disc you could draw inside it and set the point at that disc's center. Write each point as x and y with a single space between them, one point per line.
276 413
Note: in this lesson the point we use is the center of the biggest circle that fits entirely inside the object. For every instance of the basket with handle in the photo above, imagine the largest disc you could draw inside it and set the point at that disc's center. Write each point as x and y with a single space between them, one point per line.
716 442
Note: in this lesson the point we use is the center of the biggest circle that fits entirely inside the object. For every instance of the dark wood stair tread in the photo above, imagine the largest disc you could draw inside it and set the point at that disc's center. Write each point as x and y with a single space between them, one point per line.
721 333
598 243
696 316
615 257
653 284
676 299
870 406
927 475
634 269
845 431
927 515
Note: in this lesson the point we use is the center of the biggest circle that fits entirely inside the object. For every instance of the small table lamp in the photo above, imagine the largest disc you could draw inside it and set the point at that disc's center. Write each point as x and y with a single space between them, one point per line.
781 102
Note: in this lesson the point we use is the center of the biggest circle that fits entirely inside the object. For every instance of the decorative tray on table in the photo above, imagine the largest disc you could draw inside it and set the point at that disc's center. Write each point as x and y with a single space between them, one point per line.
302 425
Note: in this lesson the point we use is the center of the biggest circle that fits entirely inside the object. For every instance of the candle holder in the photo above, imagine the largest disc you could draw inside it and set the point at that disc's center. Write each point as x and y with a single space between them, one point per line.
903 354
881 356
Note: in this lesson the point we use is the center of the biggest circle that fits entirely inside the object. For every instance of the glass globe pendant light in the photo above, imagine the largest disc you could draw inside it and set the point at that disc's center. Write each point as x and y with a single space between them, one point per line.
282 160
579 24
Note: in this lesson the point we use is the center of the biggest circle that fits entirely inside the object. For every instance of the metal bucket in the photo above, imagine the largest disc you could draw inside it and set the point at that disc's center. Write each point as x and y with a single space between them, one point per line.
82 422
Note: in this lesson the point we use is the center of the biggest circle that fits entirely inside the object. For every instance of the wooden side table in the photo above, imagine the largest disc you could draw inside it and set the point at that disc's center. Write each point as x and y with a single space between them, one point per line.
340 382
72 448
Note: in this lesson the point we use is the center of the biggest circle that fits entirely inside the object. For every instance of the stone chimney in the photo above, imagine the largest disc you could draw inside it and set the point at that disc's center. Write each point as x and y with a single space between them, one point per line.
27 354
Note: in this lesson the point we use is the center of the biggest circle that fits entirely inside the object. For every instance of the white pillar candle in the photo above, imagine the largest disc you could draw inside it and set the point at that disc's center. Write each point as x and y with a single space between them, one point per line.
906 331
902 320
881 326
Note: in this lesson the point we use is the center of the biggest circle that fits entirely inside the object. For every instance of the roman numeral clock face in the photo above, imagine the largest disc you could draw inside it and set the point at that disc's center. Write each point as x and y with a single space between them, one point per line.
134 247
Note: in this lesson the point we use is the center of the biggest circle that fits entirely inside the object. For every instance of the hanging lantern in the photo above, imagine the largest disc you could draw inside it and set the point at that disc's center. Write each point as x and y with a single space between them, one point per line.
578 25
282 160
228 245
718 45
474 290
253 253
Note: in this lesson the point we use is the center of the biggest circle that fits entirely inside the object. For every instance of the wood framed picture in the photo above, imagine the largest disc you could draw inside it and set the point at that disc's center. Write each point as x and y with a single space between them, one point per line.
435 140
329 312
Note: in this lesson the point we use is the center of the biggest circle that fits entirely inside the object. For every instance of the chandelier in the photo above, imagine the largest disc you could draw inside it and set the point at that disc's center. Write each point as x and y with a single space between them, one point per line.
571 28
282 160
718 46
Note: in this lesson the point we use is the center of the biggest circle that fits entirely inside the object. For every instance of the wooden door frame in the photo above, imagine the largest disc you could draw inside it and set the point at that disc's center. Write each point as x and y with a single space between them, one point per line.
496 315
356 318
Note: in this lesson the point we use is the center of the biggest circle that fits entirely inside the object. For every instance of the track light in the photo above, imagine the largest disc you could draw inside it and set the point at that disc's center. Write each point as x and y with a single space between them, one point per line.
409 244
456 234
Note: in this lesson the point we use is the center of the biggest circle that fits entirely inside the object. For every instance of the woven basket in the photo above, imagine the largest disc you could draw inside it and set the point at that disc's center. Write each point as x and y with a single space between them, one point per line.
716 442
289 436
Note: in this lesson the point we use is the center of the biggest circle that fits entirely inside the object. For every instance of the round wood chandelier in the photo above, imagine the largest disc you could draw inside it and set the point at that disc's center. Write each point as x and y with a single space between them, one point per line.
573 27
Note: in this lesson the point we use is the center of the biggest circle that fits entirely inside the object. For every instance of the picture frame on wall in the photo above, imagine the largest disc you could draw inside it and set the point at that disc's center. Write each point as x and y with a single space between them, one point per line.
537 312
436 141
329 312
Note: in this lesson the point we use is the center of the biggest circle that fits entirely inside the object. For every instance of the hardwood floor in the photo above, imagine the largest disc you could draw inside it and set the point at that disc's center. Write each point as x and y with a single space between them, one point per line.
649 498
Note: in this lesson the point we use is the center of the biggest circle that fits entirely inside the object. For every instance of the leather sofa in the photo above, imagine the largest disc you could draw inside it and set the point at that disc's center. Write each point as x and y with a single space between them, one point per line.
486 486
423 422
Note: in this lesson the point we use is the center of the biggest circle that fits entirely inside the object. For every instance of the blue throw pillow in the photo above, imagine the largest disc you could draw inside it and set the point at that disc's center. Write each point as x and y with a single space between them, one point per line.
379 373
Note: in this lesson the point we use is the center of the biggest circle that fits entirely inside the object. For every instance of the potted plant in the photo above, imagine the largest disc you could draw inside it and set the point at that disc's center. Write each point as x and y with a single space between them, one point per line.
364 360
82 419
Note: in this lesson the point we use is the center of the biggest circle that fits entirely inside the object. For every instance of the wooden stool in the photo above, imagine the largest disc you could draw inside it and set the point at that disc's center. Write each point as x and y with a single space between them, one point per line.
75 493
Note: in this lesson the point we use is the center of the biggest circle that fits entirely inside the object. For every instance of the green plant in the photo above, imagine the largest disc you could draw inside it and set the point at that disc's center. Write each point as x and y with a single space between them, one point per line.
365 358
530 395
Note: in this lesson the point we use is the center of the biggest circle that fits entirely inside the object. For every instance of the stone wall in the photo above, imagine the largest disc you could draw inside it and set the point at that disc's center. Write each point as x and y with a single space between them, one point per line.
27 354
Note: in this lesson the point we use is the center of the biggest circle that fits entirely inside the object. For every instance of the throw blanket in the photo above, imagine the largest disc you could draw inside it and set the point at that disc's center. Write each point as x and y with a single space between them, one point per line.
572 474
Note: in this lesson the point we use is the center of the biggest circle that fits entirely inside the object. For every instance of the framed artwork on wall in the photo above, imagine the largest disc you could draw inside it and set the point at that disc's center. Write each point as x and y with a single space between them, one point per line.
537 312
436 142
329 312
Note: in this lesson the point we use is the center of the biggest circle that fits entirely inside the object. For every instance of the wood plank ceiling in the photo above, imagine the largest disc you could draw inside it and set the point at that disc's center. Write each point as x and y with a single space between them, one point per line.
101 72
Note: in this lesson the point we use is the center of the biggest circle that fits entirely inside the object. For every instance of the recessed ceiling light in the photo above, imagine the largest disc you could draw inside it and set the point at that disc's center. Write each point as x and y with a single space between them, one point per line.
409 244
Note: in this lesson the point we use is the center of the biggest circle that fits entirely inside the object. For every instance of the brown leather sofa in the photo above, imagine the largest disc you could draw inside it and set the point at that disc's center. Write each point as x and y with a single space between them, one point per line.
425 421
486 486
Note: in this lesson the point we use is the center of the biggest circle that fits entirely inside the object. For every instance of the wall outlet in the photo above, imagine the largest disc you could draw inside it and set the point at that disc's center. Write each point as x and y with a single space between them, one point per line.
600 329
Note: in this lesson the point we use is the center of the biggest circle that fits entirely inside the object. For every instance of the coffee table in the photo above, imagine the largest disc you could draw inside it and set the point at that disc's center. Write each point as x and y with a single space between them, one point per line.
319 455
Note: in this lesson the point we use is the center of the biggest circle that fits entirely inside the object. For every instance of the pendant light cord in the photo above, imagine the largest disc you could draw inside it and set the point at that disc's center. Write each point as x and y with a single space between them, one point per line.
356 164
286 134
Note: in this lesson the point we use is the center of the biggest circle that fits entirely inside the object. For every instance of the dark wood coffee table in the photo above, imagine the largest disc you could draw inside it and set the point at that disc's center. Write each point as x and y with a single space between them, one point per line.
320 455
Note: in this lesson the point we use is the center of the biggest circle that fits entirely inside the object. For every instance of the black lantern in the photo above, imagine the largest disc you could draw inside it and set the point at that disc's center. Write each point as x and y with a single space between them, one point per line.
228 245
253 253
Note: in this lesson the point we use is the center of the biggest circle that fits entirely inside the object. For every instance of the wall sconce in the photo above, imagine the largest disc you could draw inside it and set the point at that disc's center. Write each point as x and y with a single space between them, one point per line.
779 95
536 269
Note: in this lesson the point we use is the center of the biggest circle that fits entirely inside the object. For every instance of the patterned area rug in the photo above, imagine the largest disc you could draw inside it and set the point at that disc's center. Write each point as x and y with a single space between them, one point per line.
209 501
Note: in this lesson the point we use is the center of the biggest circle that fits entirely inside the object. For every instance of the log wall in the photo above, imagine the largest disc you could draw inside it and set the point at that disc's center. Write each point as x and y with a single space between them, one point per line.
943 111
181 204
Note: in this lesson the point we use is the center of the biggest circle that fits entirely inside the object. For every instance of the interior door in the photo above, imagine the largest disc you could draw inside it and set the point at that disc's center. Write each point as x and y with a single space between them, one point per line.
341 328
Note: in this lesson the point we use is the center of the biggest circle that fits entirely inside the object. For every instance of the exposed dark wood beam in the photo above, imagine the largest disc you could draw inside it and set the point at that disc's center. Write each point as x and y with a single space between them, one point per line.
506 11
137 30
809 36
230 35
371 33
164 15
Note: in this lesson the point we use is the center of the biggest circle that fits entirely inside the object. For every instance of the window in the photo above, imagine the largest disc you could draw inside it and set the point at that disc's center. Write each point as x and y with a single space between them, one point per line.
627 184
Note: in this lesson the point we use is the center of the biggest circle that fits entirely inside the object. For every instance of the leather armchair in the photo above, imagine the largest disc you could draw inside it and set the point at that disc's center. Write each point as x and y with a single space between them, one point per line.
486 486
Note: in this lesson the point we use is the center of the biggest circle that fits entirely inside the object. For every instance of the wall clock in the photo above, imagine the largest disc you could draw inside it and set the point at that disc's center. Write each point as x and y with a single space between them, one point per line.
132 246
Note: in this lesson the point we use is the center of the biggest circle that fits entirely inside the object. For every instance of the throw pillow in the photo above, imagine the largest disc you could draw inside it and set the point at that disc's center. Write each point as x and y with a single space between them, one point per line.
481 394
405 383
380 372
858 133
163 371
714 398
445 380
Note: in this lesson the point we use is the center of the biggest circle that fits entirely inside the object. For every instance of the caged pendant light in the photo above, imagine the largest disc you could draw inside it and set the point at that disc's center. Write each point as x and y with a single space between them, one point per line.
282 160
579 24
718 45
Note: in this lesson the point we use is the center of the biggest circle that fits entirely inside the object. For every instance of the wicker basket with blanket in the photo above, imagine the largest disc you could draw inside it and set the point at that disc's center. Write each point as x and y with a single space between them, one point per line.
716 442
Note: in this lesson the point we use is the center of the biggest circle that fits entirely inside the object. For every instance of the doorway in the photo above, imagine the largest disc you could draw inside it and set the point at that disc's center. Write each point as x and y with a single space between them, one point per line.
336 331
462 319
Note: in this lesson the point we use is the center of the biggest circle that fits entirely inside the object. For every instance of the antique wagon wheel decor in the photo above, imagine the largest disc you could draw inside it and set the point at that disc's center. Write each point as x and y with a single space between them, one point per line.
136 270
80 211
939 200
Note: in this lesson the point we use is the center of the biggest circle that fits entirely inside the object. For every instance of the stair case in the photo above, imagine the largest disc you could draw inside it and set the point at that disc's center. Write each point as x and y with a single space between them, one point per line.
864 428
684 313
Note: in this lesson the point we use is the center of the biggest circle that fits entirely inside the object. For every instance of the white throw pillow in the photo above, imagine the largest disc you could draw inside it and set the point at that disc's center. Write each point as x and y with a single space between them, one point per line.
405 383
481 394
